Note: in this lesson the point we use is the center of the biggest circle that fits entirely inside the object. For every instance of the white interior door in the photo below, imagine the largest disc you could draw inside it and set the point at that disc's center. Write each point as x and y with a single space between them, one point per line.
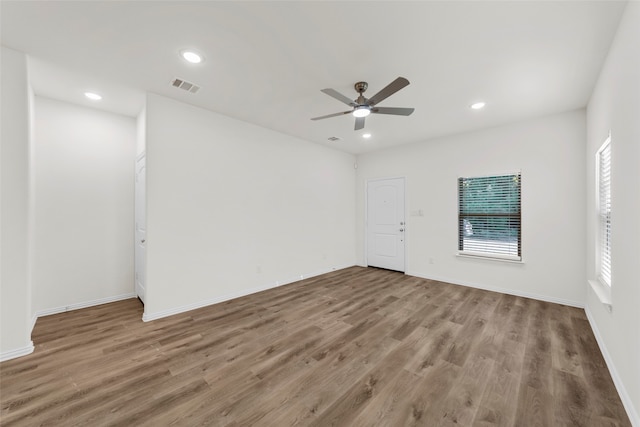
141 227
386 224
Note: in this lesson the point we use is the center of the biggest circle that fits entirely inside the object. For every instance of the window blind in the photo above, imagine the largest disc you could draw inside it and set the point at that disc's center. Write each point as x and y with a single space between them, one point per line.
489 216
604 208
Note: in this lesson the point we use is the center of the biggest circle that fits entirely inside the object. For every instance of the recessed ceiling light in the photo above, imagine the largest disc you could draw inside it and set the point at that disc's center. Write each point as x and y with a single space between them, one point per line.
191 56
93 96
366 135
478 105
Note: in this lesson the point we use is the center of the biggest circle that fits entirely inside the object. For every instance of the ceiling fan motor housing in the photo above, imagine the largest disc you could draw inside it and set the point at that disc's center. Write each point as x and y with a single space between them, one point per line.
361 87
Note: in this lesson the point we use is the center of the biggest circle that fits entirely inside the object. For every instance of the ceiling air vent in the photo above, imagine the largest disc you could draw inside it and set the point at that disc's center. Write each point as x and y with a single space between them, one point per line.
185 85
333 138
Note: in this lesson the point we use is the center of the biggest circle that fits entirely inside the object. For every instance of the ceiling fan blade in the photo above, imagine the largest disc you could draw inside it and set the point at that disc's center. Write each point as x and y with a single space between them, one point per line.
391 88
340 97
331 115
359 123
393 110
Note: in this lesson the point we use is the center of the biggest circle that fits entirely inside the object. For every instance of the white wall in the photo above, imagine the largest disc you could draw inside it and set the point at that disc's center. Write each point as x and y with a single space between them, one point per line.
83 168
232 207
550 153
615 106
15 305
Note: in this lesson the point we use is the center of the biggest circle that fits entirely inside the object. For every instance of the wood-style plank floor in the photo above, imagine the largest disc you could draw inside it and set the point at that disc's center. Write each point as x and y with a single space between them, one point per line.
356 347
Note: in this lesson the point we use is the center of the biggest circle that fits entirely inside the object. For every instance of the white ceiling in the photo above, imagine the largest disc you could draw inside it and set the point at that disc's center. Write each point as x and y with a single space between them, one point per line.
267 61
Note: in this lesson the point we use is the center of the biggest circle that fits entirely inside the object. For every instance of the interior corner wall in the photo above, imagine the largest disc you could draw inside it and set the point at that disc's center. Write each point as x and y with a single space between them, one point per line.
233 208
83 171
141 131
15 302
549 152
615 106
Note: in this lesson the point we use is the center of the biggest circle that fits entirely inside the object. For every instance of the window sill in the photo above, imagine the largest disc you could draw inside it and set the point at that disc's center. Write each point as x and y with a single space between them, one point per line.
490 258
603 292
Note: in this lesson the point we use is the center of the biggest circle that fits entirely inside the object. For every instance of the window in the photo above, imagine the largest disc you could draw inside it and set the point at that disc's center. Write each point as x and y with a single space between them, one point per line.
603 164
489 221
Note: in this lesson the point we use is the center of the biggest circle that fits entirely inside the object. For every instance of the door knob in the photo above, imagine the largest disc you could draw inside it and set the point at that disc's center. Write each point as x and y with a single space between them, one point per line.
142 241
402 229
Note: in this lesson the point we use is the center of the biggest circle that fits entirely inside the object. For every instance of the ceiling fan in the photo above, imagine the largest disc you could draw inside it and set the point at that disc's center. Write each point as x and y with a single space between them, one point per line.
362 106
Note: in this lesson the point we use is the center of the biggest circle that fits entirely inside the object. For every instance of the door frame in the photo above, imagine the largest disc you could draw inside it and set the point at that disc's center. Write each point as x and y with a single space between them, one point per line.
137 255
366 219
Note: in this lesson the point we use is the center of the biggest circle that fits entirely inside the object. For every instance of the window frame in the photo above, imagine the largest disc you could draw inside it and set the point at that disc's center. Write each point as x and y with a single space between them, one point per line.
461 218
603 216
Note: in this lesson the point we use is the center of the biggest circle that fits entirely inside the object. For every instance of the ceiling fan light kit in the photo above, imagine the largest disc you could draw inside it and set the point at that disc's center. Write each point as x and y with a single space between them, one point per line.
362 111
362 106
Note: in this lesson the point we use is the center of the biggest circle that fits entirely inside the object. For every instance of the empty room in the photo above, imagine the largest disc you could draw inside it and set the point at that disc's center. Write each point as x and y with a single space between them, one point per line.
317 213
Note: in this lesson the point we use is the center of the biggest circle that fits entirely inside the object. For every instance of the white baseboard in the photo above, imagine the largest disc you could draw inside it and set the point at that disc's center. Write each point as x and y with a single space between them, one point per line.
571 303
148 317
86 304
622 391
18 352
